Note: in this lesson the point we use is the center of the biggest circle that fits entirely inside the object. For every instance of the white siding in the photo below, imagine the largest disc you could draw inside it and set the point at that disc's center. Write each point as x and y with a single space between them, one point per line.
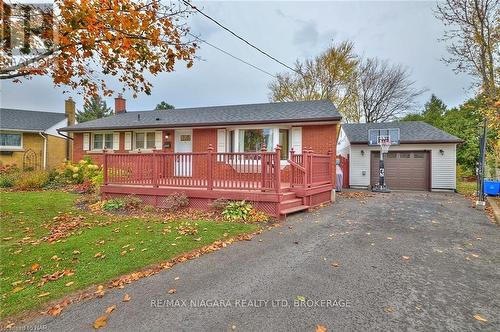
443 167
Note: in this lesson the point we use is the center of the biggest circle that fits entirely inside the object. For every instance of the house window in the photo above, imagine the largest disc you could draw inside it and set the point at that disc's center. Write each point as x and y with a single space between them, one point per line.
102 141
284 144
10 140
145 140
252 140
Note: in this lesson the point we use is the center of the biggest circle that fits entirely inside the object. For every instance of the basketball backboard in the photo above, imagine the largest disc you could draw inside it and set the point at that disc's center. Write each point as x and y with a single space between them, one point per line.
375 135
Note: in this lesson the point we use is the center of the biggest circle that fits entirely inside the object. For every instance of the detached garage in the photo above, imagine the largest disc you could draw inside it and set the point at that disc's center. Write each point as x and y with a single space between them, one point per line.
421 156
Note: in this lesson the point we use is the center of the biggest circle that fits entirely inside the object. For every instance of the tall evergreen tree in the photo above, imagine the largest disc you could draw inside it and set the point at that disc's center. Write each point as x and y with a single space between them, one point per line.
164 106
94 108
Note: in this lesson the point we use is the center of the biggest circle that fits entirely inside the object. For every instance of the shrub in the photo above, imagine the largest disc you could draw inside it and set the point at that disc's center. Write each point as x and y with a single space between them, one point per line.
220 204
8 169
149 208
176 201
83 171
237 211
32 180
132 202
6 180
113 204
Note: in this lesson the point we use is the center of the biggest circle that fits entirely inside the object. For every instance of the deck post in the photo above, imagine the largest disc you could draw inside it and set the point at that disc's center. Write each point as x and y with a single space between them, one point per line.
311 157
263 166
331 165
210 184
277 168
305 161
105 167
155 170
292 169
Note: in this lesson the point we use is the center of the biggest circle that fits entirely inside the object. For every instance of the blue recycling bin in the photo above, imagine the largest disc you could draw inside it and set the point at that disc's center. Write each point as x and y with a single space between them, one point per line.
491 188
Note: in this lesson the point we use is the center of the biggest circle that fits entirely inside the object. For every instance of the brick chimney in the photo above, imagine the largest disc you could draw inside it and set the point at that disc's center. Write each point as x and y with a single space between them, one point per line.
69 110
120 105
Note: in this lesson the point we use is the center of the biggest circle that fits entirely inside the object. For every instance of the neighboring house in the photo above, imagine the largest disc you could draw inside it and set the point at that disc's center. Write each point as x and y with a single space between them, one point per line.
422 157
29 139
237 133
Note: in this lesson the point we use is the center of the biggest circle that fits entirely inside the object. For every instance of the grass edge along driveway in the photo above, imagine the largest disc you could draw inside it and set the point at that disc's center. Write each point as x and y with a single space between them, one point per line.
97 249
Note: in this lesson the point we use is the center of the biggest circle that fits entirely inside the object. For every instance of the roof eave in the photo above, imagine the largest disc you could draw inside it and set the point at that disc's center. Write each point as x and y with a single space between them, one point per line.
206 124
416 142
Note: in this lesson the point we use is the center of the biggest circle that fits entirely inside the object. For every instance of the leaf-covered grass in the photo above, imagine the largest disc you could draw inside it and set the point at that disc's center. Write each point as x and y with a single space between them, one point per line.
121 244
466 188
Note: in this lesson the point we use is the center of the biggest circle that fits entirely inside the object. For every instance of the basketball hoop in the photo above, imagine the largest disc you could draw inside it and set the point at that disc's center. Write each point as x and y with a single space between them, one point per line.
385 143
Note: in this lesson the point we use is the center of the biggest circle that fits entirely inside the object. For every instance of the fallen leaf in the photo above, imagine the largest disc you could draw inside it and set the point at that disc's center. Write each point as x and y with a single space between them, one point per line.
69 283
100 291
110 309
17 289
474 255
335 264
101 322
54 311
172 290
480 318
126 298
321 328
389 238
406 257
99 254
301 298
44 294
35 267
176 278
389 309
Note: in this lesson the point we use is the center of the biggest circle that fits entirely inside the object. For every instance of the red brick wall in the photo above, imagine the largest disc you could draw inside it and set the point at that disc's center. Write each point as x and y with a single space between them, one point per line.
320 138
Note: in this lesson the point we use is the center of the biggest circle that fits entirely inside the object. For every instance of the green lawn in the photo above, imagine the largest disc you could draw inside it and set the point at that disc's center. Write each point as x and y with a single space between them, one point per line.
122 245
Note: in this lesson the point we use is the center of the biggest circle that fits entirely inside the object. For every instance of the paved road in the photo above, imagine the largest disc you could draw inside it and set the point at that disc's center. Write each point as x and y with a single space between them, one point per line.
453 273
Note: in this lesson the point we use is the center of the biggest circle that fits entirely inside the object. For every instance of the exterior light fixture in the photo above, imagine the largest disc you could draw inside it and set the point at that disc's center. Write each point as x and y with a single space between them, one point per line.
362 152
441 151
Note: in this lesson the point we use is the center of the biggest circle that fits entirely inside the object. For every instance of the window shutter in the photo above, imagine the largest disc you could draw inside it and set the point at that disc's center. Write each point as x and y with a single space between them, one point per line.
297 139
86 141
221 140
116 141
158 141
128 140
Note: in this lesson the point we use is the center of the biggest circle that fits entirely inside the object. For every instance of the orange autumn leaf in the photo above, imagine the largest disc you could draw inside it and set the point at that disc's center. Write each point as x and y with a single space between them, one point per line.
101 322
321 328
126 298
110 309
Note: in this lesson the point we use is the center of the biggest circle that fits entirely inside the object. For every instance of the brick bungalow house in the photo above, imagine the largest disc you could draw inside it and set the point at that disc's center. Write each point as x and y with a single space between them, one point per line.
232 151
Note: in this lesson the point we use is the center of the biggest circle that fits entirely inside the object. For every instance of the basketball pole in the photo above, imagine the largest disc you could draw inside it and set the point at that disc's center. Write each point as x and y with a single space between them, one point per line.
381 187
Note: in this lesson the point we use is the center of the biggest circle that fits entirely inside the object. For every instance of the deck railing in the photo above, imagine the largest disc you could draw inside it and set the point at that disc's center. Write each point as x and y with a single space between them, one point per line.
310 169
212 170
209 170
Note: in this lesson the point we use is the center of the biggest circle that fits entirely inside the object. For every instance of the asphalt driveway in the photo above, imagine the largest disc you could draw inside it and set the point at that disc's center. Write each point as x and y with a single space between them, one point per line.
341 266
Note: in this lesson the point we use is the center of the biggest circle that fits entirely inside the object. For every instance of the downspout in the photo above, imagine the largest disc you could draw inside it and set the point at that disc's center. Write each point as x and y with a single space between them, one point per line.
44 150
67 143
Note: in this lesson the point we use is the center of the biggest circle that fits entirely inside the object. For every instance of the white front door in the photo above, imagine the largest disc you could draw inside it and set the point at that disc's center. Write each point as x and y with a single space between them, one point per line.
183 143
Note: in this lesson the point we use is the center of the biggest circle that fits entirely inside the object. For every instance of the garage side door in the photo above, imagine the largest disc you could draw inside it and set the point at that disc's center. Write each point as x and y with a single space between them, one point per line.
406 170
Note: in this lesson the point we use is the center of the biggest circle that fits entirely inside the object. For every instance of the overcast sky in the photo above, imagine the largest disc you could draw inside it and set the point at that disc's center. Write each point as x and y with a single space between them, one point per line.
403 32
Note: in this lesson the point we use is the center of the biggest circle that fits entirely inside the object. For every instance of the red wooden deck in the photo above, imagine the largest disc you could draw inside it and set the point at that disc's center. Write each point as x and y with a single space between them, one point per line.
257 177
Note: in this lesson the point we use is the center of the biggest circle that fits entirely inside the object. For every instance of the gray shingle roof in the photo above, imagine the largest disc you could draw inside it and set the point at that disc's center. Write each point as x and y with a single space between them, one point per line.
300 111
410 132
28 120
